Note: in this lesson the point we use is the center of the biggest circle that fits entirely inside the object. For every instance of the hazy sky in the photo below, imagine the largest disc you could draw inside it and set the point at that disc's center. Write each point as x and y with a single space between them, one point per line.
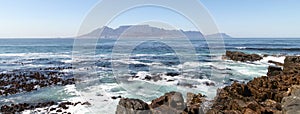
62 18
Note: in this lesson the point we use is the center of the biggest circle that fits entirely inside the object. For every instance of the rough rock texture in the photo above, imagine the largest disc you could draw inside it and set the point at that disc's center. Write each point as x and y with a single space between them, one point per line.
132 106
243 57
170 103
172 100
25 81
272 94
291 104
291 65
263 95
19 108
274 71
193 103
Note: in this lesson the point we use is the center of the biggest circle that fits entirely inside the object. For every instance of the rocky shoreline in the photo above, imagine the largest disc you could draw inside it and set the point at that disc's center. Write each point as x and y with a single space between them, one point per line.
45 107
276 93
27 80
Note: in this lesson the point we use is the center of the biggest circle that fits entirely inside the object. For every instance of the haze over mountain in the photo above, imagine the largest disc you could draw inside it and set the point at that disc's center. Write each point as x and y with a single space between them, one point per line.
139 31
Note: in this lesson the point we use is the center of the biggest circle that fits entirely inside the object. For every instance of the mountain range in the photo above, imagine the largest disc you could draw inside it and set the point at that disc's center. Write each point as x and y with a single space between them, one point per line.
139 31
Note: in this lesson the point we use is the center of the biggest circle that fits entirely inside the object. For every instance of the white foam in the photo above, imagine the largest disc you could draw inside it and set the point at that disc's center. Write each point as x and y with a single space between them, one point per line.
143 74
273 58
240 48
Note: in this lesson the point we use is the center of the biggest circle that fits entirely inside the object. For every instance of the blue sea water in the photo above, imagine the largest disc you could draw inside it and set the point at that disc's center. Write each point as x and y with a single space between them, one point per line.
149 58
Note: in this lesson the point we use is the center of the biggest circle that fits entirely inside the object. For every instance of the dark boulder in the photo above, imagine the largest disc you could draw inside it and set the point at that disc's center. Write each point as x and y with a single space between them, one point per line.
291 104
243 57
291 65
194 102
132 106
169 103
274 71
172 100
172 74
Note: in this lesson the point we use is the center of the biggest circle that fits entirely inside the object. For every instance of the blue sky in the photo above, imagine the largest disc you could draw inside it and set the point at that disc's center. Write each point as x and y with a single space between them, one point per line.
62 18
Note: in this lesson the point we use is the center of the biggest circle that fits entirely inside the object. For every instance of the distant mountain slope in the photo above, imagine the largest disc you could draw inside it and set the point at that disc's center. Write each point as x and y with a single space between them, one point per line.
223 35
138 31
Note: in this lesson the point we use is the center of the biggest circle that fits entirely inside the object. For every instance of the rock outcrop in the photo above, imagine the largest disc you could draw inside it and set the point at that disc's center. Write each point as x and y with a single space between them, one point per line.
274 71
25 81
132 106
243 57
193 103
291 65
262 95
276 93
170 103
43 107
291 104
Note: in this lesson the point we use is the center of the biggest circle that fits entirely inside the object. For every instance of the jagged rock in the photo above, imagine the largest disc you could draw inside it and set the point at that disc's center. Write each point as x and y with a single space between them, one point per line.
243 57
170 103
132 106
291 104
249 111
25 81
274 71
18 108
262 95
193 103
266 94
291 65
172 100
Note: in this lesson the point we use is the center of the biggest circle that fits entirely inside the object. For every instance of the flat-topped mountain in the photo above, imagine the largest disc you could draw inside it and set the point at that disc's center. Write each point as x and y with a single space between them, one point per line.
138 31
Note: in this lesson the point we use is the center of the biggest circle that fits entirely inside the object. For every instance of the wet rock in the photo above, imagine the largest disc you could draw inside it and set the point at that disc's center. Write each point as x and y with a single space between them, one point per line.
148 77
186 85
59 110
243 57
86 103
209 83
172 74
116 97
25 81
274 71
170 80
154 78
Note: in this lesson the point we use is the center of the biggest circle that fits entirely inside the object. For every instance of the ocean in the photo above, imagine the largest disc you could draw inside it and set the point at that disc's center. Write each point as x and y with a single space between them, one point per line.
153 68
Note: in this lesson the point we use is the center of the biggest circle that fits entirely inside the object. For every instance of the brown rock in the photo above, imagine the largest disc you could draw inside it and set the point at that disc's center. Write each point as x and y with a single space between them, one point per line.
274 70
172 99
291 104
132 106
291 65
249 111
243 57
194 103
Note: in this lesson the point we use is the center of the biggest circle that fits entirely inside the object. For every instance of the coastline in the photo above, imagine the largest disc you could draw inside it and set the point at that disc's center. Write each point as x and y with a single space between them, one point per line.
230 99
262 95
